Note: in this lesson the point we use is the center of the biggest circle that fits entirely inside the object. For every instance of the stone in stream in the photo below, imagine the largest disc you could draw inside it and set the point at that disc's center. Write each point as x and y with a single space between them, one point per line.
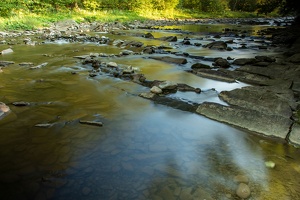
200 66
170 59
6 51
6 63
243 191
261 99
3 109
269 125
39 66
21 103
93 123
294 136
294 58
222 63
219 45
244 61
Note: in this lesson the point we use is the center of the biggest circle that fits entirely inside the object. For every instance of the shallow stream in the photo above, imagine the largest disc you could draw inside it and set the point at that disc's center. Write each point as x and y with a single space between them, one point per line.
144 150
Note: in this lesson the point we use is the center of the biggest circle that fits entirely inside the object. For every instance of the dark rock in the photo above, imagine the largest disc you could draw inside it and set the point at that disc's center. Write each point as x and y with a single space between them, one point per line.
200 66
222 63
21 103
220 45
6 63
258 98
214 74
269 125
93 123
149 35
294 136
169 38
244 61
294 58
265 59
171 59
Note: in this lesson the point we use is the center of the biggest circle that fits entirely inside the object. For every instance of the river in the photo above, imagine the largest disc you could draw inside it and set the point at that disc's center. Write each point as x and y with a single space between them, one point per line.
143 150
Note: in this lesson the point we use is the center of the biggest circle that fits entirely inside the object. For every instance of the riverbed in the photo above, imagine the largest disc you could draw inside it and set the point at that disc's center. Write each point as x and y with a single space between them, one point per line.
143 150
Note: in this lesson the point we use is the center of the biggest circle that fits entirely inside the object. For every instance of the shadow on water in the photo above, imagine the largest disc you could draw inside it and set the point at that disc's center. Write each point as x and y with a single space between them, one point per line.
143 150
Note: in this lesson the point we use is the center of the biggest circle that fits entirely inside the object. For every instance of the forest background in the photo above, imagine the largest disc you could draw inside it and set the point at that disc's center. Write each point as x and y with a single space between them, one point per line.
32 14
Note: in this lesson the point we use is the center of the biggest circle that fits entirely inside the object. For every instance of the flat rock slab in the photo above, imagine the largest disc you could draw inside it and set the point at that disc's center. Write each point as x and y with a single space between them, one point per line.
171 59
260 99
214 74
269 125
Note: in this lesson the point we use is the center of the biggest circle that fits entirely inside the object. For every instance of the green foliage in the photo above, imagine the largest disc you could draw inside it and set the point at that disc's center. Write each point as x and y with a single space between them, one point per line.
268 6
243 5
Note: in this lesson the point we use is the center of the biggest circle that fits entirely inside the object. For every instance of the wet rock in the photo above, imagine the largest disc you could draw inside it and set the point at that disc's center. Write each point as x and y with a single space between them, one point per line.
156 90
260 99
47 125
117 42
243 191
6 63
26 64
241 179
126 52
21 103
270 164
147 95
168 85
149 35
222 63
294 58
93 123
39 66
6 51
149 50
294 136
214 74
112 64
4 109
169 38
244 61
265 59
269 125
219 45
170 59
200 66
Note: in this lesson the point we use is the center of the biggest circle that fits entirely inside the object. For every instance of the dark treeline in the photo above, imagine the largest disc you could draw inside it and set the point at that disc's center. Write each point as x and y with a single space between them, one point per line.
9 7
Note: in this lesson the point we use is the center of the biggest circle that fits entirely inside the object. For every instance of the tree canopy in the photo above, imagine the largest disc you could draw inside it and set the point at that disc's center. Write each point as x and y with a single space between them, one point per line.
10 7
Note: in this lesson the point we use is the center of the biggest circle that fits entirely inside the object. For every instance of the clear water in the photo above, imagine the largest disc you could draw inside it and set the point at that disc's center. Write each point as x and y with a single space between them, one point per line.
143 150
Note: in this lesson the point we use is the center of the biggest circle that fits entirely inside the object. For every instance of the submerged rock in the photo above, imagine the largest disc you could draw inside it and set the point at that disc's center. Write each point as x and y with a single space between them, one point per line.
243 191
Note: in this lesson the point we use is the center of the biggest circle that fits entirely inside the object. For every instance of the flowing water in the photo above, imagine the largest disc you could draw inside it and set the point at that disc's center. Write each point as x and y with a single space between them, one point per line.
144 150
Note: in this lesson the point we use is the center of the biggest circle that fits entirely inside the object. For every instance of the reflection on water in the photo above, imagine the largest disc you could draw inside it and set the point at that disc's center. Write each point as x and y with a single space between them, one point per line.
143 151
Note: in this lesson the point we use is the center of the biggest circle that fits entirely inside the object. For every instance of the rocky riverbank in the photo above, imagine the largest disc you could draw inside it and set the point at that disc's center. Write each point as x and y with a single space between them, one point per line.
270 106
